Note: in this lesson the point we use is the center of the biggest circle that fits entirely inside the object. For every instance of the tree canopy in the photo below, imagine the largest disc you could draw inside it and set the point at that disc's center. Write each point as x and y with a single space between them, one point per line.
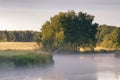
69 29
108 36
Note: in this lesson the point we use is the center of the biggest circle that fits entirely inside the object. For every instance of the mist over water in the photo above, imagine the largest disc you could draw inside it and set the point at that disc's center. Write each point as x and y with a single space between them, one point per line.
67 67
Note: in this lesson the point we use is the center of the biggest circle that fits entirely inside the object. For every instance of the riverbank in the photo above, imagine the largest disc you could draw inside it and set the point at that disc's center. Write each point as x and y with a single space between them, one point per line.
102 51
25 58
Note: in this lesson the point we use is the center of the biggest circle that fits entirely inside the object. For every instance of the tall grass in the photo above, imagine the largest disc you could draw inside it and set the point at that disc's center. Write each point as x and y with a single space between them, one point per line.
21 58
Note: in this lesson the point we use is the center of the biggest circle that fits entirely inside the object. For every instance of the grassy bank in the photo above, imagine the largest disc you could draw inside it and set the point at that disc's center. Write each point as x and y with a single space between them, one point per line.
21 58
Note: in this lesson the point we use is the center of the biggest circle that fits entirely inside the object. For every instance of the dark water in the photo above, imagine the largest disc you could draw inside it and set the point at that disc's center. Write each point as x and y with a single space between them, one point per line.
68 67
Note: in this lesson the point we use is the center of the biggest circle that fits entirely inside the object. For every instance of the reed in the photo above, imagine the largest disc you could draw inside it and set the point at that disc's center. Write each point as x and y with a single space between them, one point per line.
21 58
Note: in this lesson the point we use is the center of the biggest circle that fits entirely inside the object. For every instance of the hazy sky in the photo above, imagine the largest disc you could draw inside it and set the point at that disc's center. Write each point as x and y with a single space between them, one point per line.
31 14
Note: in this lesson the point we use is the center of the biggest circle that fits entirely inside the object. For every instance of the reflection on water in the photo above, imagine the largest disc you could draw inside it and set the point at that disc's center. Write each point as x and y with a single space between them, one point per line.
67 67
107 75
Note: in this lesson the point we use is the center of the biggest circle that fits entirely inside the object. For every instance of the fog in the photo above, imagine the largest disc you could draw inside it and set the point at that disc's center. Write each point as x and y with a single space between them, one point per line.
68 67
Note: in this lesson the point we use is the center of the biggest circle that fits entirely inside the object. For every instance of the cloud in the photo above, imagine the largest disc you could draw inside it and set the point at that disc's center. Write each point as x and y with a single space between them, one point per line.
59 4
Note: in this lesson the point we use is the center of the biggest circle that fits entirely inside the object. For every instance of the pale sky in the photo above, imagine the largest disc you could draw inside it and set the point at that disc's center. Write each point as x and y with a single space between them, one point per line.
31 14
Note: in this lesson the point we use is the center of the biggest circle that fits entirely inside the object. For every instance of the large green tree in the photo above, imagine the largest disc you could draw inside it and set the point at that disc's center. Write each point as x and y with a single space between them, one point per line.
68 29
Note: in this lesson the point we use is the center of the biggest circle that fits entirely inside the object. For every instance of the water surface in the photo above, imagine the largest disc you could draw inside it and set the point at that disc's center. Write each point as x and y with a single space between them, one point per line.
68 67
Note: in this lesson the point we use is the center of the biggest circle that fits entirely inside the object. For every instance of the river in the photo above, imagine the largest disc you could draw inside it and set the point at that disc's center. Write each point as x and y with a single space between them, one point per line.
68 67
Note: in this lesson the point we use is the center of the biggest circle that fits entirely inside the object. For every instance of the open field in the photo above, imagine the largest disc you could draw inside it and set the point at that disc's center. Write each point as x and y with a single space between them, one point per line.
18 46
35 46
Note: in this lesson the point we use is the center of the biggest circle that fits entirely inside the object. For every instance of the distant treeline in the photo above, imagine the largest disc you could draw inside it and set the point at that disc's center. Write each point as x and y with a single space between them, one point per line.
18 36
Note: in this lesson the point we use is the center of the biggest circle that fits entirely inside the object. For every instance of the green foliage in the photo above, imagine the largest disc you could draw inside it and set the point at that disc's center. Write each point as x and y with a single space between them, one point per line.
29 59
69 28
18 36
4 37
103 30
20 58
108 36
37 38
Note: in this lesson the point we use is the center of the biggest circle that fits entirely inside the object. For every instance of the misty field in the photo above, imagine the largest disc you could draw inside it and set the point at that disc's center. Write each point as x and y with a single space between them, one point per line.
18 46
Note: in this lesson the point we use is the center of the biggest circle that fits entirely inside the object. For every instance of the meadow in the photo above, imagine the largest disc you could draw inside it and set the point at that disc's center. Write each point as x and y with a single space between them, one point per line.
18 46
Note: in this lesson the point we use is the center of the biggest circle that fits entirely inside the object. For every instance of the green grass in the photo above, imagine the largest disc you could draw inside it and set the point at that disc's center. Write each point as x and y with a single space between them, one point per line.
21 58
